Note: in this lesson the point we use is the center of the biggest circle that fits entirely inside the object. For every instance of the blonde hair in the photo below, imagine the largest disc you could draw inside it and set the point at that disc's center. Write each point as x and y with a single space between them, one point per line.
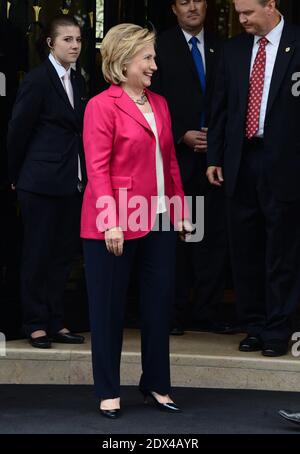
119 46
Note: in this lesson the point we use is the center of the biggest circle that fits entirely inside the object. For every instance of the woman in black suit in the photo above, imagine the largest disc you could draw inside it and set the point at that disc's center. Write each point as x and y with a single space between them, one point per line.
46 168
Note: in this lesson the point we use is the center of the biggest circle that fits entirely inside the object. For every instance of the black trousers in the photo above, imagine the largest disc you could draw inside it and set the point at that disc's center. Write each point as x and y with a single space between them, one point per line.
265 249
51 240
202 265
107 282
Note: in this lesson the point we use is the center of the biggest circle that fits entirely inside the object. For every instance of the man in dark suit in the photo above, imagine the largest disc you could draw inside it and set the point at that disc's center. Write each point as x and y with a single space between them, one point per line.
186 60
253 146
46 166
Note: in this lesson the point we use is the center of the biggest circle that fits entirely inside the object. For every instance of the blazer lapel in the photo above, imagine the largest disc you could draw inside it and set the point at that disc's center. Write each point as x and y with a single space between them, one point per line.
76 93
125 103
209 49
157 113
184 54
243 68
78 109
284 55
58 85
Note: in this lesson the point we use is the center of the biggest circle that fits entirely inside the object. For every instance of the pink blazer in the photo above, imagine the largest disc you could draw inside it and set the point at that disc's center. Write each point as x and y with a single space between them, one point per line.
120 153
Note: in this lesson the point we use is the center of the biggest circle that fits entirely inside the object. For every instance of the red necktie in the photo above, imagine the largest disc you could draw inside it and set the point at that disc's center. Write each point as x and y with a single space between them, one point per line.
256 87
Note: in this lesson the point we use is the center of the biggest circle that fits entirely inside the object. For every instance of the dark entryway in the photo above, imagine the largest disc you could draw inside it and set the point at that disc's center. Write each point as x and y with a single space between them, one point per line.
21 25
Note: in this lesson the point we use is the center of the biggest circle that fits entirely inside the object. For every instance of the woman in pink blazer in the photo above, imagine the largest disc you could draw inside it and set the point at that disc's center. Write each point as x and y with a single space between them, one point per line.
132 176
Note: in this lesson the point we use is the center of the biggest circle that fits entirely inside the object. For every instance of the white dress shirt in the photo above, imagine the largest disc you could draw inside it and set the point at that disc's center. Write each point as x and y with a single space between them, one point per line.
274 38
62 72
200 44
161 206
60 69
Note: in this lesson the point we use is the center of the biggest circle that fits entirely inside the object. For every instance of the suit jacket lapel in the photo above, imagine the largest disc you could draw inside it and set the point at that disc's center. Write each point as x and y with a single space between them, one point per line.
209 49
59 86
243 67
77 96
284 55
157 113
76 93
184 53
126 104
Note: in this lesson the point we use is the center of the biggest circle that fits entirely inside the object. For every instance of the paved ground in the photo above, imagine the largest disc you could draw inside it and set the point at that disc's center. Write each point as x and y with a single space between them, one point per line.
32 409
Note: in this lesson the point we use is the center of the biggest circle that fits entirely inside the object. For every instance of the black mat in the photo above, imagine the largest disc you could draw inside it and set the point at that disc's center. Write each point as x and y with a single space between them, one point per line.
32 409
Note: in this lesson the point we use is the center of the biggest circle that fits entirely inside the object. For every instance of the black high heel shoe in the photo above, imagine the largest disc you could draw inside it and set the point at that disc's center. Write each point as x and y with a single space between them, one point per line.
111 414
170 407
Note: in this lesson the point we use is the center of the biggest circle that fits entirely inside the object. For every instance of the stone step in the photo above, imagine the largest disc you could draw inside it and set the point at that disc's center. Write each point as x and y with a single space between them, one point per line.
203 360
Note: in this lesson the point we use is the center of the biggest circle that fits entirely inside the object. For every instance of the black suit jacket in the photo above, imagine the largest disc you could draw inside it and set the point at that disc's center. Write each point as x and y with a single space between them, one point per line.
45 133
178 81
282 128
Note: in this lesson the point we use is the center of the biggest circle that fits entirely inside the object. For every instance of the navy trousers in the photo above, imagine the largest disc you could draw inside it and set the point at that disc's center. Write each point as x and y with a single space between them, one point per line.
202 265
51 241
107 283
265 249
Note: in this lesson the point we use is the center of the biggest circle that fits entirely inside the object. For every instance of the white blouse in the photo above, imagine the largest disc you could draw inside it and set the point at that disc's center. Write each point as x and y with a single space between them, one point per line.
161 206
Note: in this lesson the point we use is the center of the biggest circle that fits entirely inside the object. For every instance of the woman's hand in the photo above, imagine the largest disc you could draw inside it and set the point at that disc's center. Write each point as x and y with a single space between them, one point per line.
114 240
185 229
